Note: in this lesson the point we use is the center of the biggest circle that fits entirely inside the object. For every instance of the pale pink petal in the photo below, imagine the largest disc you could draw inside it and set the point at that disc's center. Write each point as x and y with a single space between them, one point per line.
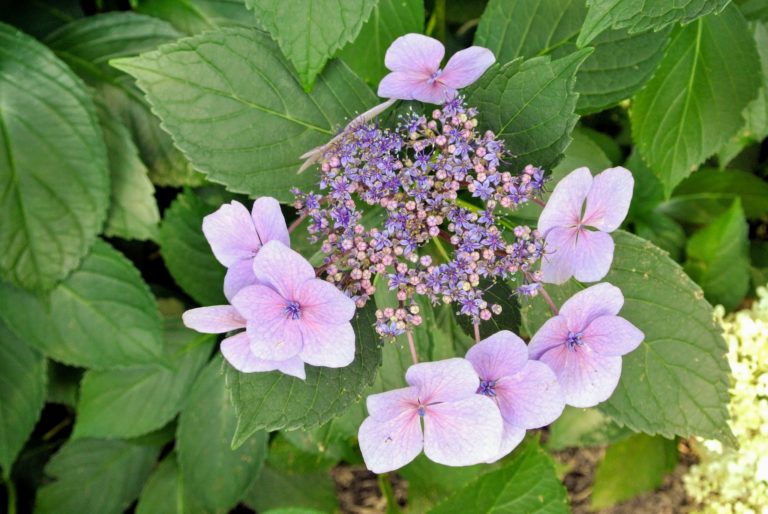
592 256
531 398
275 339
608 200
563 208
390 444
511 436
370 114
501 354
413 86
332 346
586 378
239 276
213 320
322 302
237 351
269 221
282 268
466 66
231 233
443 381
560 247
612 335
258 303
553 333
463 432
599 300
435 93
390 404
414 53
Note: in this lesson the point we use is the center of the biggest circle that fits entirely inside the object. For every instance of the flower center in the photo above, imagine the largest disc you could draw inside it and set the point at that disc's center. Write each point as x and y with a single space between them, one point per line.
292 310
432 79
422 411
574 340
487 388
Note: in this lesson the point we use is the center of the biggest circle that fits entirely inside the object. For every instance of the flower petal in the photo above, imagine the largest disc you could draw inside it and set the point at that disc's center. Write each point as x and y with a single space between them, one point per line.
269 221
608 199
592 256
278 339
332 346
322 302
237 351
391 444
463 432
443 381
414 53
260 303
560 247
413 86
531 398
563 208
586 378
503 353
213 320
612 335
239 276
466 66
282 268
388 405
231 233
511 436
599 300
553 333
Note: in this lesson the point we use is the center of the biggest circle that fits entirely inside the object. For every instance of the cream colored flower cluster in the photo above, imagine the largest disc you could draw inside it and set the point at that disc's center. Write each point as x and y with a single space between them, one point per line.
735 481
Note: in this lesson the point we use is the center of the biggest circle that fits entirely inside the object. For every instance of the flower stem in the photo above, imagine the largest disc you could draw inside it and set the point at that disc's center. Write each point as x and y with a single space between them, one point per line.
477 331
295 223
539 201
389 494
412 346
549 301
11 493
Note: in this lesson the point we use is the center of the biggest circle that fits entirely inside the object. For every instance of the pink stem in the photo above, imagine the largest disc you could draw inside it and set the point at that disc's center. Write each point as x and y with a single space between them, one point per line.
548 299
412 345
295 223
539 201
477 332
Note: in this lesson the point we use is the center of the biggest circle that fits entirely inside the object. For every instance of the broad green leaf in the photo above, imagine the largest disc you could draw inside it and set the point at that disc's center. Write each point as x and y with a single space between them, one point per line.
53 165
642 16
310 32
584 427
186 252
758 253
316 448
276 489
648 192
214 476
234 107
94 475
528 483
63 384
135 400
274 401
530 104
631 467
133 212
676 382
389 20
708 193
22 389
160 494
87 45
718 258
103 315
195 16
619 66
755 10
663 231
693 103
40 17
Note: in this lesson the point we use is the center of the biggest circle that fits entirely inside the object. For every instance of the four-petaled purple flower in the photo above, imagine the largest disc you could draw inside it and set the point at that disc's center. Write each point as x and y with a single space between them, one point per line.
577 236
584 343
460 428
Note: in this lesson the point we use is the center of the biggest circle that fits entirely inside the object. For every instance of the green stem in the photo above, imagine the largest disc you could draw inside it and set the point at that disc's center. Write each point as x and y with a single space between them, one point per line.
474 208
441 249
11 492
389 494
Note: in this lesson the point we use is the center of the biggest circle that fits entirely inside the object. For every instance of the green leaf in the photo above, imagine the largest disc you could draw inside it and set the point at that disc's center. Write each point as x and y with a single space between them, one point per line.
135 400
662 231
709 193
584 427
718 258
186 252
87 45
277 489
40 17
526 484
214 476
160 494
63 384
755 10
94 475
53 165
530 104
389 20
22 388
274 401
693 103
651 458
101 316
234 107
642 16
309 32
195 16
676 382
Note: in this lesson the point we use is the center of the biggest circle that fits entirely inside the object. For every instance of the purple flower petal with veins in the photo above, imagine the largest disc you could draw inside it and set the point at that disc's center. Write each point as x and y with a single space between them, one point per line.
414 60
460 428
577 240
584 343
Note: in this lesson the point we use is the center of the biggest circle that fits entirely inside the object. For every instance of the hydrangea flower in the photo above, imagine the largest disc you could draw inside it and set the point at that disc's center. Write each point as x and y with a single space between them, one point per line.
460 427
291 318
526 391
584 343
235 236
414 60
577 236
